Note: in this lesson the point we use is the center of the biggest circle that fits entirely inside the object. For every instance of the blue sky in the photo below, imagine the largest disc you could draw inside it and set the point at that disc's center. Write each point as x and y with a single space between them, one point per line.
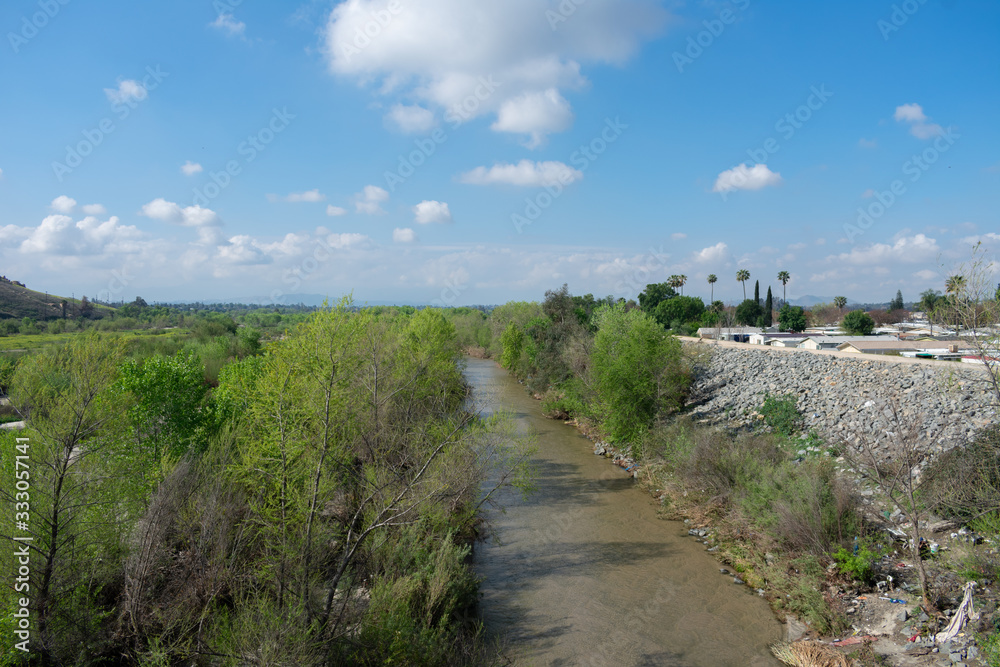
459 151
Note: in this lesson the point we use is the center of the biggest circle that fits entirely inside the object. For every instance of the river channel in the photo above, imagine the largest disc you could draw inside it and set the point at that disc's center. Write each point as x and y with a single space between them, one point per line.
586 574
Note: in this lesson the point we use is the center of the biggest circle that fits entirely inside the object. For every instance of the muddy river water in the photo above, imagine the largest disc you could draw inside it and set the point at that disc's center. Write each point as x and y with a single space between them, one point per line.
586 574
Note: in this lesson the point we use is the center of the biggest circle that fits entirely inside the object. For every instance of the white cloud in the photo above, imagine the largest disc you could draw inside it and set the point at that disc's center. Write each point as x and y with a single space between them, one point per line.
59 236
536 114
63 204
228 23
926 274
525 173
369 200
428 212
190 168
907 249
242 250
820 241
678 236
410 119
716 253
191 216
404 235
309 196
94 209
742 177
127 91
335 211
797 246
341 241
919 127
452 55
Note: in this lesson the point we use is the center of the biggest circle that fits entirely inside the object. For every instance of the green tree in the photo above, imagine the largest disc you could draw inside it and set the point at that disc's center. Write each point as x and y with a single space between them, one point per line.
681 281
784 277
654 294
792 318
638 371
743 276
930 300
840 302
857 323
756 292
768 308
748 313
712 279
82 489
166 395
685 309
897 303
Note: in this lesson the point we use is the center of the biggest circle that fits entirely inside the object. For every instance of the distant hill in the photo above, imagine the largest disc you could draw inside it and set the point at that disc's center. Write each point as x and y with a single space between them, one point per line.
18 302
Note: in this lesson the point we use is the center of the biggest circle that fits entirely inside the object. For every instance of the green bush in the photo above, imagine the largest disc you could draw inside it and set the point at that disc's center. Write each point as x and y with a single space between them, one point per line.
781 413
859 561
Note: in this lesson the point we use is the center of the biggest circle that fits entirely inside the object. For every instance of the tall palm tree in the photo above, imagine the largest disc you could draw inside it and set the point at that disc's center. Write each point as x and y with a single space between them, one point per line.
784 278
674 281
712 279
840 302
743 276
954 286
681 280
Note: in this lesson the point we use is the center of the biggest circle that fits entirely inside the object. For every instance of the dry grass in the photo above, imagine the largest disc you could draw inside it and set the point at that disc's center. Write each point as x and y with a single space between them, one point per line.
809 654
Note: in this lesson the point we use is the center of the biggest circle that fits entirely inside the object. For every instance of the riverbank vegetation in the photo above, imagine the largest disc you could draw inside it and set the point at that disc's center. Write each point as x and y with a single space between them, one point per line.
312 500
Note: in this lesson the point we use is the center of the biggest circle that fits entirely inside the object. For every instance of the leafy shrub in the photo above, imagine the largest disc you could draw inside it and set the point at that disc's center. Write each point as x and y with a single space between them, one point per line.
781 413
859 564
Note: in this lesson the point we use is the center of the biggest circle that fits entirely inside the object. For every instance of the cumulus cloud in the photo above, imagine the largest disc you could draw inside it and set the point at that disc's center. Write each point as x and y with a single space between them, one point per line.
227 23
59 235
335 211
714 254
678 236
63 204
190 168
742 177
127 91
410 119
511 55
907 249
913 114
429 212
309 196
404 235
535 114
190 216
94 209
369 200
525 173
242 250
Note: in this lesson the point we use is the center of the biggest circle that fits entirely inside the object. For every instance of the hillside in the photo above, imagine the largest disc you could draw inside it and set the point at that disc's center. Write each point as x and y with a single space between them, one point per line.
18 302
